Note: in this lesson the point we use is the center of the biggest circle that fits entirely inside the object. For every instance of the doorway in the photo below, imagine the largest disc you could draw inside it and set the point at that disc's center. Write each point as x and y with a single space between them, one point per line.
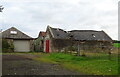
47 46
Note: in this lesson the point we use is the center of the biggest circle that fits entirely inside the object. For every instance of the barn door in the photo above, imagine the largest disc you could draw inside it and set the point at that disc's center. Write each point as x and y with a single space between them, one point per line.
47 46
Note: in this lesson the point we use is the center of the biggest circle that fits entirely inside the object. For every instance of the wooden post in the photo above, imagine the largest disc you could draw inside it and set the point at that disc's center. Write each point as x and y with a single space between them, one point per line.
78 54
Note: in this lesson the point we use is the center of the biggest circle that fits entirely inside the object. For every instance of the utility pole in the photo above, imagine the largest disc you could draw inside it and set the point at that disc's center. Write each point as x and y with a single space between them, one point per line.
1 8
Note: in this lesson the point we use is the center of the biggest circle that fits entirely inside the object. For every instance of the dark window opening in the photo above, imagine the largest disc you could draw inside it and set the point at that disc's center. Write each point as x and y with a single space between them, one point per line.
93 35
57 34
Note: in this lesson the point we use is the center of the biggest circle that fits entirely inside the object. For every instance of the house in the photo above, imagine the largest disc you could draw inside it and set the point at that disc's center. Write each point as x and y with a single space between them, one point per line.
39 42
21 41
57 39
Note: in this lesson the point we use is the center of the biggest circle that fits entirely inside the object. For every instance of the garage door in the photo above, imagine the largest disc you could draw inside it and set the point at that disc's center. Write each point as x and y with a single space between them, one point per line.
21 45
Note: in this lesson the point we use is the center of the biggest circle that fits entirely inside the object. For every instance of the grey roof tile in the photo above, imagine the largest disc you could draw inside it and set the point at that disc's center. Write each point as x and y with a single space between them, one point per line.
80 34
59 33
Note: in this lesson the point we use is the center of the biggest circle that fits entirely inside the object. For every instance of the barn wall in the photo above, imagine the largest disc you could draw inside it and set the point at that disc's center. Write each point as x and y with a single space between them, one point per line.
94 46
31 45
48 37
59 45
38 44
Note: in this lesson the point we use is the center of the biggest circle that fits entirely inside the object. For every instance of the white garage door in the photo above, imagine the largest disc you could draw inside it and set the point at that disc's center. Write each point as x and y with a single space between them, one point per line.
21 45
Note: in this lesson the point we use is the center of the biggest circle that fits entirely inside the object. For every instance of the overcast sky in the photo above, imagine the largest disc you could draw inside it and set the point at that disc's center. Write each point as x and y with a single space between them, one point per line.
33 16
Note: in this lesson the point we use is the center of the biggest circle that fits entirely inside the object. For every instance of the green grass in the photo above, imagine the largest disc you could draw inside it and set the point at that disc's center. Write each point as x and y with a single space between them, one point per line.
116 45
95 63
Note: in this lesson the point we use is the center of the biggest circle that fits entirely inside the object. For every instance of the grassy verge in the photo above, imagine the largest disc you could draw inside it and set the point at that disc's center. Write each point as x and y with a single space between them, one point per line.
15 53
95 63
116 45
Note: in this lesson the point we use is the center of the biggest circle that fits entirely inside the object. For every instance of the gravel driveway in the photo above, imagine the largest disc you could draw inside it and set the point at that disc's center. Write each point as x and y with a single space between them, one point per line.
24 65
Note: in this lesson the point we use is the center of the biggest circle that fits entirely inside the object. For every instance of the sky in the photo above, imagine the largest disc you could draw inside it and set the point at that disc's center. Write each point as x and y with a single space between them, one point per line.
33 16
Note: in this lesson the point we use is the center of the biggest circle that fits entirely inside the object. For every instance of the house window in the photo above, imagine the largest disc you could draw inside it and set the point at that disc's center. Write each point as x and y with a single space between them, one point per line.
13 32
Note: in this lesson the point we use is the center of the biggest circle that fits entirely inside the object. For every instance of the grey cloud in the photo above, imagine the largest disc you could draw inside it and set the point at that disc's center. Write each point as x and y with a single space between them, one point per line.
79 14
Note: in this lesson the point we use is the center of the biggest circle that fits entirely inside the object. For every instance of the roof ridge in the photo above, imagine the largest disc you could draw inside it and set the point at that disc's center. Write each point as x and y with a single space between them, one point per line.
84 31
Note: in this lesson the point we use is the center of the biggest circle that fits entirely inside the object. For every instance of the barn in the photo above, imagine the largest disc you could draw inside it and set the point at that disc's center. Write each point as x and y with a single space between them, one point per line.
58 40
21 41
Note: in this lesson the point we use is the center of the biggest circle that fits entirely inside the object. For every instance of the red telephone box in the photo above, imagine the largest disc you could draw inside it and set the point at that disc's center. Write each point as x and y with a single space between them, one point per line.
47 46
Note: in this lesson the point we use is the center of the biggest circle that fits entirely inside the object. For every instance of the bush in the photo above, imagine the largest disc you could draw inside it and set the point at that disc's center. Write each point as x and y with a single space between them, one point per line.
7 47
5 44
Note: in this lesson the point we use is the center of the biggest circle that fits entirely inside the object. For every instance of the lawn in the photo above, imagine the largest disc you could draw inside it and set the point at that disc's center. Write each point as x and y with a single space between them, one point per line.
93 63
116 45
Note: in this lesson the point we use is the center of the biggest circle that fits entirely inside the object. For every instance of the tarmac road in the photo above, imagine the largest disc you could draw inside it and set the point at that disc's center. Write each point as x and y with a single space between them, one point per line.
22 65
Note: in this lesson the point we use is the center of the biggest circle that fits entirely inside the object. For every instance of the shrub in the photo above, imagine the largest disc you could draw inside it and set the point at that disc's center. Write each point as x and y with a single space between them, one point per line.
7 47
